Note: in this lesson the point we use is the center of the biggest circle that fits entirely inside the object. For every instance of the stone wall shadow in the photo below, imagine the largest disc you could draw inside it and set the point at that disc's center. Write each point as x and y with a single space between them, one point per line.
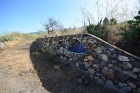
54 79
67 79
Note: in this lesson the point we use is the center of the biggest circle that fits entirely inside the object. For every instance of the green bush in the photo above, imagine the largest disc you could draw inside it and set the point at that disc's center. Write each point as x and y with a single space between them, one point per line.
98 30
133 31
131 36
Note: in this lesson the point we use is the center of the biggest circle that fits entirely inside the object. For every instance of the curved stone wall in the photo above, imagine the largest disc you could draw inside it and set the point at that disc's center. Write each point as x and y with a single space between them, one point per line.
103 62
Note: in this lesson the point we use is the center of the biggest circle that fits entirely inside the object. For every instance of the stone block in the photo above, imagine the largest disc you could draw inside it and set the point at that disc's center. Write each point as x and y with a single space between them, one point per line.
108 73
90 57
91 71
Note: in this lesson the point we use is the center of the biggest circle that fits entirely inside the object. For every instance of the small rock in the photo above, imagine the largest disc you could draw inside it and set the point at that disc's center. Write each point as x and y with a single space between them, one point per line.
122 77
85 59
138 89
104 57
111 49
77 64
80 80
89 41
95 40
118 69
126 65
109 82
108 73
98 50
122 84
132 74
126 88
91 71
123 58
99 79
132 59
114 61
75 58
86 64
132 85
110 65
136 69
96 67
91 76
96 61
90 63
103 63
90 57
103 48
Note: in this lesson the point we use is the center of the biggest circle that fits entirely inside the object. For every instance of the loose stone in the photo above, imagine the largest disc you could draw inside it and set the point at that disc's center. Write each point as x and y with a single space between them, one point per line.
123 58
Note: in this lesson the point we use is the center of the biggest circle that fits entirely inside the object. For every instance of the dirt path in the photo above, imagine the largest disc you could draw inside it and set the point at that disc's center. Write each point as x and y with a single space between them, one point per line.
17 74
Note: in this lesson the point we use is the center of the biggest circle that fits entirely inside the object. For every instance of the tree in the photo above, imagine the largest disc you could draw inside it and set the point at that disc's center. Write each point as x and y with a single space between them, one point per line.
50 25
106 21
113 21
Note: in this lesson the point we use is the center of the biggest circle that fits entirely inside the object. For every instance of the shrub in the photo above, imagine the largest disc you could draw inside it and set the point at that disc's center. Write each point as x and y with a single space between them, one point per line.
131 35
98 30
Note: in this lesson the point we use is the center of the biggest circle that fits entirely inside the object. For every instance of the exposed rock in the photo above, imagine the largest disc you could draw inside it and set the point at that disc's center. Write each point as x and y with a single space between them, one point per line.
90 62
103 48
75 58
126 65
118 69
123 58
138 89
82 66
96 67
91 71
136 69
104 57
90 57
132 85
98 50
108 73
132 74
103 63
95 41
86 64
111 49
110 65
126 88
96 61
85 59
114 61
77 64
122 77
109 82
135 63
89 41
122 84
80 80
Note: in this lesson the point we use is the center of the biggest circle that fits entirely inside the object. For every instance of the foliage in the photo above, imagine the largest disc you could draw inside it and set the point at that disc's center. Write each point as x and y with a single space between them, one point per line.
131 34
106 21
98 30
133 31
113 21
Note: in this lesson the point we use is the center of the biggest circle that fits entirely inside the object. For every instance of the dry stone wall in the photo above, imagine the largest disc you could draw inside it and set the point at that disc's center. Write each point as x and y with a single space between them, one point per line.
102 62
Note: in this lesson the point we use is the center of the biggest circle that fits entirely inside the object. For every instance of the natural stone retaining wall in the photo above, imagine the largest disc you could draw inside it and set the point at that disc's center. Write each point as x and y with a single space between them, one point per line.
103 62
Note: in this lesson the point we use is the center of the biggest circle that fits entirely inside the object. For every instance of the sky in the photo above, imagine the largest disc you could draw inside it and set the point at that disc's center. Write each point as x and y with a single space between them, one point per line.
27 15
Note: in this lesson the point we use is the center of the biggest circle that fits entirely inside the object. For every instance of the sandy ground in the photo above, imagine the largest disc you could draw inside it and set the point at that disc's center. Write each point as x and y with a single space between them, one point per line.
17 74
